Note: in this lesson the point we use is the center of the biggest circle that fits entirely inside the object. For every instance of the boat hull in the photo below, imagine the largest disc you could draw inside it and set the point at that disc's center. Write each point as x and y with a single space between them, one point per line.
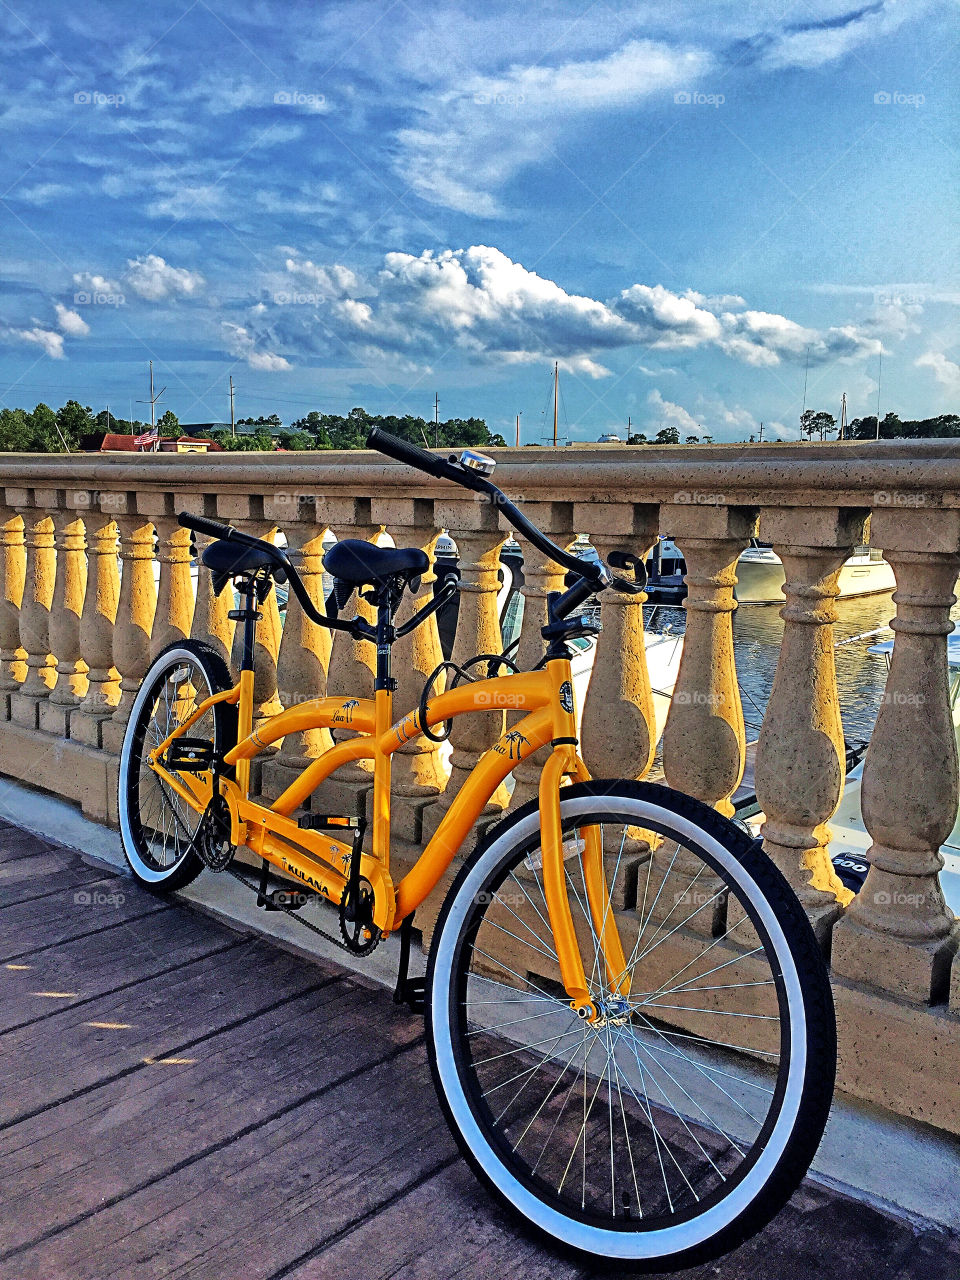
761 581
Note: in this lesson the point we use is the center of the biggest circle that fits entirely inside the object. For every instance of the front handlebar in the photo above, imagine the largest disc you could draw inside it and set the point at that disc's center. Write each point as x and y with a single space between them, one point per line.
448 469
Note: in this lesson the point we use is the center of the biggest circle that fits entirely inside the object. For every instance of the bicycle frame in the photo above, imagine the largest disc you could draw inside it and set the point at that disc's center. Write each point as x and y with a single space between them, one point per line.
321 861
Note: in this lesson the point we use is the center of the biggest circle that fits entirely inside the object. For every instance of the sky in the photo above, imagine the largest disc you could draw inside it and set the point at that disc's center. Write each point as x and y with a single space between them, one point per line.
696 209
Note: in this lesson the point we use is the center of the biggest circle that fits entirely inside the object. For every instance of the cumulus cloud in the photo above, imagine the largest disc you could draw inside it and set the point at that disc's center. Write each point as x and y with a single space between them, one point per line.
472 138
481 303
70 322
241 342
157 281
665 413
47 339
946 372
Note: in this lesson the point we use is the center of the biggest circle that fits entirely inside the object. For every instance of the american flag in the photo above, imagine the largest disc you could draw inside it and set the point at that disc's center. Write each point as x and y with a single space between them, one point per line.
148 438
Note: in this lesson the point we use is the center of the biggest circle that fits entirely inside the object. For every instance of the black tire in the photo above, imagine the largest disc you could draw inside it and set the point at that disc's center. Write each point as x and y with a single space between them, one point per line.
747 1165
144 801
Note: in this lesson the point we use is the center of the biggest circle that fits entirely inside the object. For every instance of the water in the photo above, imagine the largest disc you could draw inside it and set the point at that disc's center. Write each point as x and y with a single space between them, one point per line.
758 635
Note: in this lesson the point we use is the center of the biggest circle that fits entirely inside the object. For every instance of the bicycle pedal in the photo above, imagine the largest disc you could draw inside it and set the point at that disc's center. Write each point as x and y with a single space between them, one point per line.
324 822
413 993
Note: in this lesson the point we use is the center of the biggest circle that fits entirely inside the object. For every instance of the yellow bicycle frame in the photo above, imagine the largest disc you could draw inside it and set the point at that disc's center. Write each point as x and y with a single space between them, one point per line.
321 861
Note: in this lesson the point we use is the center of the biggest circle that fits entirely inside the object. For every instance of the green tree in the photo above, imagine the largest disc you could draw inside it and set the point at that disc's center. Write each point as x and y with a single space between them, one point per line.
16 432
817 422
169 425
75 422
667 435
43 424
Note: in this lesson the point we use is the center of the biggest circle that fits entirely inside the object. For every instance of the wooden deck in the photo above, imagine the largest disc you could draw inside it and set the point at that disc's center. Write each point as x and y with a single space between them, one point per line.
178 1099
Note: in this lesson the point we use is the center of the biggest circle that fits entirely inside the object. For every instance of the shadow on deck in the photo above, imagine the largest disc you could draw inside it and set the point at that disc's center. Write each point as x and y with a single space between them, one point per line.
179 1099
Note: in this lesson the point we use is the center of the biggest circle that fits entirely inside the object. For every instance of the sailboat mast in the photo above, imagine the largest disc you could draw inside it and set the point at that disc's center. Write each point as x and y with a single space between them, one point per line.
556 397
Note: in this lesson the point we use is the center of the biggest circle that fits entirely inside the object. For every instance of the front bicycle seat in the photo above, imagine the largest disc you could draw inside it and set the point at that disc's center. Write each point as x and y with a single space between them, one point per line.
358 563
229 559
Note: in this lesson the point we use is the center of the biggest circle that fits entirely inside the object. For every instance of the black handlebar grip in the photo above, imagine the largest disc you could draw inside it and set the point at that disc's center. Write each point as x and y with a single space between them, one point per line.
200 524
414 456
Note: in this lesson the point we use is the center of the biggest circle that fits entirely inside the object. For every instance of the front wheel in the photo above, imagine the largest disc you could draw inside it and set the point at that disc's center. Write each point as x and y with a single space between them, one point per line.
681 1120
158 827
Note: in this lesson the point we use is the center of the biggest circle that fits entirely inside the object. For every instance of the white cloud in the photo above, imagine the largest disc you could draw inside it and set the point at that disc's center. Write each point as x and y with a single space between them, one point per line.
157 281
70 322
946 372
241 342
51 342
665 413
90 282
484 305
473 138
830 36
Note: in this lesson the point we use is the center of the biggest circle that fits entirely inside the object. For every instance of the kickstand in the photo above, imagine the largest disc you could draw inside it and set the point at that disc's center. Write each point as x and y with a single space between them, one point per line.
410 991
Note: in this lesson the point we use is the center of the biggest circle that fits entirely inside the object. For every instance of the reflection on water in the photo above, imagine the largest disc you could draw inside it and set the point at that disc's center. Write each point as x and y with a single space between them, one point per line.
758 634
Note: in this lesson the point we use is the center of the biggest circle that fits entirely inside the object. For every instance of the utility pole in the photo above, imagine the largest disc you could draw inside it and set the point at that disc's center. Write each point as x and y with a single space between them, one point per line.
233 421
760 441
436 420
152 402
879 372
806 370
518 429
556 398
843 416
629 428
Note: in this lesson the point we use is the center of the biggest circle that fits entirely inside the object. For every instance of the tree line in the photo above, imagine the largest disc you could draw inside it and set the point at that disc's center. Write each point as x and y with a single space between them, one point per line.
74 427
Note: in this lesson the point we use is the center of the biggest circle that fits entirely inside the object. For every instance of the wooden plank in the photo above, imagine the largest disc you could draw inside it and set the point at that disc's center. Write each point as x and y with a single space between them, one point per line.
207 1118
42 874
15 844
114 901
99 963
248 1208
152 1019
447 1226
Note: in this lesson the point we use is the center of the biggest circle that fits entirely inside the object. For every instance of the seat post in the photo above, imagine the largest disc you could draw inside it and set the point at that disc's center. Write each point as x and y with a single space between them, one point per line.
249 615
386 634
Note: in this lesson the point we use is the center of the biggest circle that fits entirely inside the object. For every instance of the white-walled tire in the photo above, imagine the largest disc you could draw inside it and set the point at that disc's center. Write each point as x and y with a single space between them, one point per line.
658 1137
156 826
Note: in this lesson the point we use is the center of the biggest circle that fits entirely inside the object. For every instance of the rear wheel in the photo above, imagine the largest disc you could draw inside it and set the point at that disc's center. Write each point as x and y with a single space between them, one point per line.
682 1119
157 825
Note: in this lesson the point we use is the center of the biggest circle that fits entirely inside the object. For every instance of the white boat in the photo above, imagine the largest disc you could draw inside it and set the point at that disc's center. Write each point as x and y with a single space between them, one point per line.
760 575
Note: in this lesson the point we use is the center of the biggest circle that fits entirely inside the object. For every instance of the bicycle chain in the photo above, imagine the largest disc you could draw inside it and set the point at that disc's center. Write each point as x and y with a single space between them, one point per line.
291 911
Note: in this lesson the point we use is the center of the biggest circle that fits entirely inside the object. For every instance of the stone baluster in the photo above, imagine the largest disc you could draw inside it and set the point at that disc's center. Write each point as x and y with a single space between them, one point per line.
134 622
419 774
619 724
541 575
97 622
69 589
35 611
801 758
211 621
475 529
174 612
12 666
704 738
353 663
304 656
898 934
704 741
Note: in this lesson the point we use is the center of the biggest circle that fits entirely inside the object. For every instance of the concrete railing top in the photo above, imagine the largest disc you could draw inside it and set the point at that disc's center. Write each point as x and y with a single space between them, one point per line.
829 474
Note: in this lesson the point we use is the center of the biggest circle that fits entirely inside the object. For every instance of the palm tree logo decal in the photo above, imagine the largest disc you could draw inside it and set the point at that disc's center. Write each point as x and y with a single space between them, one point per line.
345 714
510 746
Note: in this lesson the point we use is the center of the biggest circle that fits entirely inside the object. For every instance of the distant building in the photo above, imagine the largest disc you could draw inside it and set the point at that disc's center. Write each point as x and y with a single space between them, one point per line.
113 443
189 444
609 438
203 428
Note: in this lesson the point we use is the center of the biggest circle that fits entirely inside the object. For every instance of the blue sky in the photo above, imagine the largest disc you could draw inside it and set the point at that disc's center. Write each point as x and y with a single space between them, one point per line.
374 202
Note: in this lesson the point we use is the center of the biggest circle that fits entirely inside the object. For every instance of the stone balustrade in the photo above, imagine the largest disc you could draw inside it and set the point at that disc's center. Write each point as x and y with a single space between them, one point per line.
96 577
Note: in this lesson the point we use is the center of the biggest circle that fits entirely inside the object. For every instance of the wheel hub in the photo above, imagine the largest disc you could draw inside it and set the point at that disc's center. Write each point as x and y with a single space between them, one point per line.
614 1011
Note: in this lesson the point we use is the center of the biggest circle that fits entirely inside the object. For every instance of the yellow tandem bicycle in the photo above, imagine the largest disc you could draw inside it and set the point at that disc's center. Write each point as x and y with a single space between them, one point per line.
629 1021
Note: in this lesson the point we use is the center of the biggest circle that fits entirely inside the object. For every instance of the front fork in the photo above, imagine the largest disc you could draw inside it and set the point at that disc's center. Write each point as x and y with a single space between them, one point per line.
562 762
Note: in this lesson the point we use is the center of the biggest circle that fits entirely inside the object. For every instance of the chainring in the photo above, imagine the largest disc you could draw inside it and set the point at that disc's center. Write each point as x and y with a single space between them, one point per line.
359 932
212 841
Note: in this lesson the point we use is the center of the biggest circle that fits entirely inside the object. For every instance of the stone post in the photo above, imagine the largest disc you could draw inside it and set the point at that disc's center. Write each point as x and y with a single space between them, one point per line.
898 934
134 622
801 758
12 666
68 594
97 623
35 611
